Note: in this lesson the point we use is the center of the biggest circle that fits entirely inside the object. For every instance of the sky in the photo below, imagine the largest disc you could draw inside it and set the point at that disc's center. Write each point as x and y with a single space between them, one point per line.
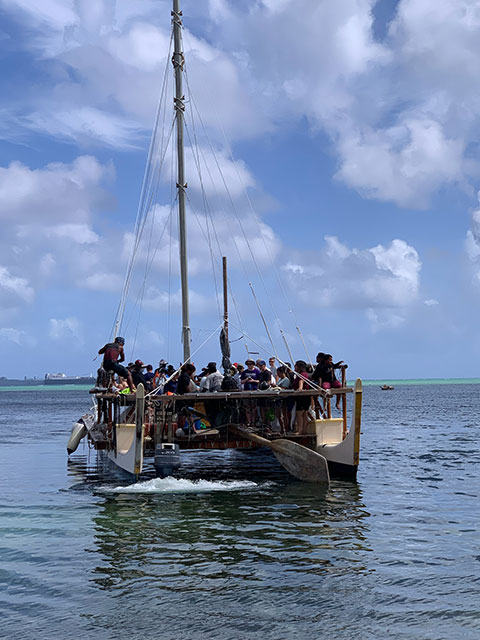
347 134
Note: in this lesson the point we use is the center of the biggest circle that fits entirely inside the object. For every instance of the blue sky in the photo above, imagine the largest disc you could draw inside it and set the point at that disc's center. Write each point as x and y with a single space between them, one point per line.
354 126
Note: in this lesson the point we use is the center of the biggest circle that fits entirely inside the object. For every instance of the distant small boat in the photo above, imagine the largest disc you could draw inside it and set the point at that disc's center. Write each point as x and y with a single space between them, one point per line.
387 387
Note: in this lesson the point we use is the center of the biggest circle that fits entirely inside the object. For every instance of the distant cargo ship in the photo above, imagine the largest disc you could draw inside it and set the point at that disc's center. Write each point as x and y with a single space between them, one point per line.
62 378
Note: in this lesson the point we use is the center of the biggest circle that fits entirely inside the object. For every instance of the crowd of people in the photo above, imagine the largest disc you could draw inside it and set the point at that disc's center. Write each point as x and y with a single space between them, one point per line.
253 376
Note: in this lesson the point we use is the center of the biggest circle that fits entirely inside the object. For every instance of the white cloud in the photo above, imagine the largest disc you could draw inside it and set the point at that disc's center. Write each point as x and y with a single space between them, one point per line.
399 113
404 164
52 237
100 281
158 300
18 337
385 319
400 261
143 46
86 124
431 302
217 169
47 264
242 237
62 330
105 66
48 237
423 109
472 243
77 233
54 194
376 279
14 288
56 14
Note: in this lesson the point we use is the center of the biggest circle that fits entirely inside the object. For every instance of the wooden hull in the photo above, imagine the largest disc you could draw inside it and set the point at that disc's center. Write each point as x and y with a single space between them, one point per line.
126 454
125 445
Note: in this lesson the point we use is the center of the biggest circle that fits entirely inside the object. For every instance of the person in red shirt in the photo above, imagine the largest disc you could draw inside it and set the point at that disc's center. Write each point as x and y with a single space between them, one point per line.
113 354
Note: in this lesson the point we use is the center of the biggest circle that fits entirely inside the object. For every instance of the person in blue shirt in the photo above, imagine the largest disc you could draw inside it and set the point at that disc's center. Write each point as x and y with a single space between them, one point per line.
250 377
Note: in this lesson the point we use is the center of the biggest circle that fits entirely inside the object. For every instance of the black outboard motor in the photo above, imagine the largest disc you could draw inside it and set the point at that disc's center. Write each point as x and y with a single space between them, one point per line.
167 459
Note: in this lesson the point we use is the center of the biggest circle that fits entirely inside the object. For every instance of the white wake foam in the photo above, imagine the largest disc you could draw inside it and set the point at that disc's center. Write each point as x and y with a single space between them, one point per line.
180 485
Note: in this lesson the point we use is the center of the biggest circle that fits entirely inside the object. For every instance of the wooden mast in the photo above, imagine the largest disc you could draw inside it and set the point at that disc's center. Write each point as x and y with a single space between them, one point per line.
179 105
225 297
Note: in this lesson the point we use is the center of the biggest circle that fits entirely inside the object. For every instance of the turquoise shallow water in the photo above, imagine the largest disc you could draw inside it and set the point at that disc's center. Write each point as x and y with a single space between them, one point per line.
236 548
368 383
420 381
48 388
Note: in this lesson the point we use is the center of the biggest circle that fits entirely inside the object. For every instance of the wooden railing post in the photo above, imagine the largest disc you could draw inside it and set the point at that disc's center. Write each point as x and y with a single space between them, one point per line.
344 403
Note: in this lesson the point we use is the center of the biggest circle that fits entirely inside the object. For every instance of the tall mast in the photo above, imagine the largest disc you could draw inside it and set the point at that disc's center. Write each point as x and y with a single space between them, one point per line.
225 297
179 104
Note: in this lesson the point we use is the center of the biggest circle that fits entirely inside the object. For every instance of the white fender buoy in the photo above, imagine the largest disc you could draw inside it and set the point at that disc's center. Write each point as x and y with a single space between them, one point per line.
79 430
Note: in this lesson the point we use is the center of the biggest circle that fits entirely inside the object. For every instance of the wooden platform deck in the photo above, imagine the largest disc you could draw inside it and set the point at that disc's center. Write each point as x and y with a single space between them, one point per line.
227 395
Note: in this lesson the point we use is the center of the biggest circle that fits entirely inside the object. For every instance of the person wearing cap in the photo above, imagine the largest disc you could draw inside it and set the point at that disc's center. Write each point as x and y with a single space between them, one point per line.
137 374
250 376
213 380
113 354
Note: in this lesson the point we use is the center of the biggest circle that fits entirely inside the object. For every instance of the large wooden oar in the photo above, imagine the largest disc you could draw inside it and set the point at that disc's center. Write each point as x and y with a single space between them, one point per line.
299 461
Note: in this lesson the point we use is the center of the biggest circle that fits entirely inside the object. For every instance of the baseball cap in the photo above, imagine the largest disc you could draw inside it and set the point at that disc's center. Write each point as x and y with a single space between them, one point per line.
139 363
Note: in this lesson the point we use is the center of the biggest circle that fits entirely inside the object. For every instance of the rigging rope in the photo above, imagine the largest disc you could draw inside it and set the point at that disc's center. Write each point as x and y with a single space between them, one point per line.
143 193
234 208
190 359
208 212
279 280
140 295
226 221
169 276
263 318
195 148
132 263
150 185
312 384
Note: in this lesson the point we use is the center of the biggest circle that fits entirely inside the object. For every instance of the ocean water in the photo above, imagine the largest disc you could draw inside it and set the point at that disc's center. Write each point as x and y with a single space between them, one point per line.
234 547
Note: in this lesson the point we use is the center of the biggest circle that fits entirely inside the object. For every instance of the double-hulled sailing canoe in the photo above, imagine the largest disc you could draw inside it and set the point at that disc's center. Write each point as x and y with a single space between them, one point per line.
131 430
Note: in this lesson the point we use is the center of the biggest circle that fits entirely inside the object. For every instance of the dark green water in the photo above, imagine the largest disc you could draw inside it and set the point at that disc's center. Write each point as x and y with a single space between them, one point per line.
237 549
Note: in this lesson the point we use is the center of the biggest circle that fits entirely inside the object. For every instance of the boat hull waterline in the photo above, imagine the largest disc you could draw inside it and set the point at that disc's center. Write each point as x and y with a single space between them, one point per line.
307 457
